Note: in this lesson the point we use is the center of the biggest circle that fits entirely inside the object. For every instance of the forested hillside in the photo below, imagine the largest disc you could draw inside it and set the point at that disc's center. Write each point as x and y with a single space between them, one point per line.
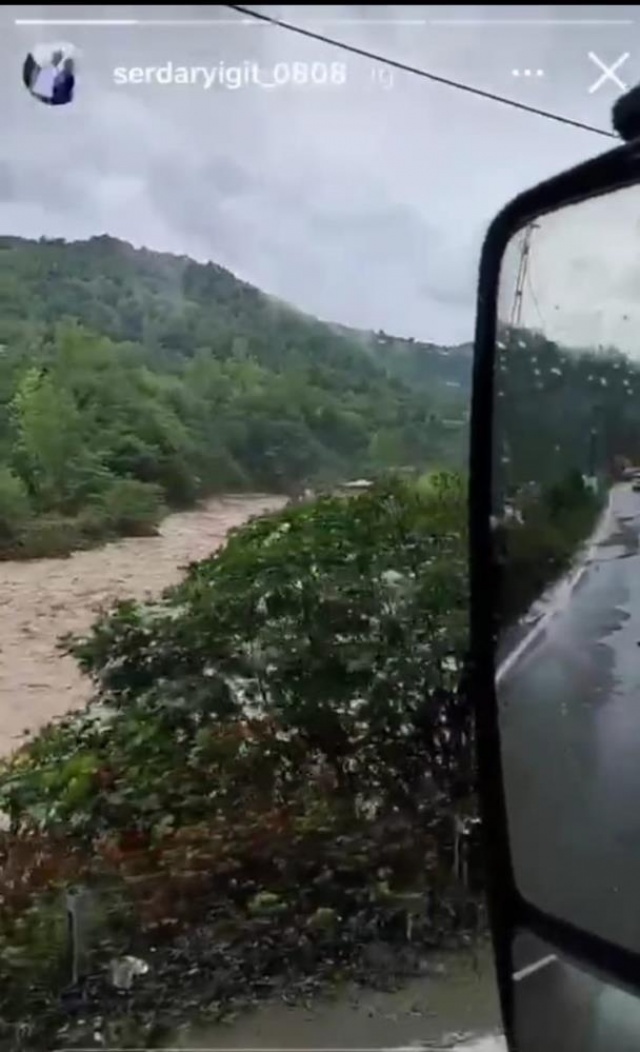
566 424
587 399
132 380
443 371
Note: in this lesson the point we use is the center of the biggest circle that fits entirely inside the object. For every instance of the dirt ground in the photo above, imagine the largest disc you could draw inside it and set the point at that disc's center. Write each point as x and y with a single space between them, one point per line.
45 598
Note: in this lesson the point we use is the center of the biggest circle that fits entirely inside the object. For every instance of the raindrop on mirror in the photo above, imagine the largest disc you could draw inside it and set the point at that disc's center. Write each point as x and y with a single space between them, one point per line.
566 531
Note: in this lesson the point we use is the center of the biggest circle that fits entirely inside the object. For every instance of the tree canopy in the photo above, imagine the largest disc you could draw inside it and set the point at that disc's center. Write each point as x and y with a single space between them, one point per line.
132 381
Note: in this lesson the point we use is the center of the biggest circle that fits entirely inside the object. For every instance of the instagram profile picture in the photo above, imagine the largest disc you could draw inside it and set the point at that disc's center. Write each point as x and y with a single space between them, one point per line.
49 73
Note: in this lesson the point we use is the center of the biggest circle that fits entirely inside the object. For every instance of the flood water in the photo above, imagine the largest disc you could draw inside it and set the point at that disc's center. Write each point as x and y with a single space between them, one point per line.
42 599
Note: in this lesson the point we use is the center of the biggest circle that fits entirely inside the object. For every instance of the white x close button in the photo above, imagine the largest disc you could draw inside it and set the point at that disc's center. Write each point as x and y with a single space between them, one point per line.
608 72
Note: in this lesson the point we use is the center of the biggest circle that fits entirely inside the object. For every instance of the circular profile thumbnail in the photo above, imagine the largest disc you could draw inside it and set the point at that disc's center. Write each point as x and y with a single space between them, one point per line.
49 73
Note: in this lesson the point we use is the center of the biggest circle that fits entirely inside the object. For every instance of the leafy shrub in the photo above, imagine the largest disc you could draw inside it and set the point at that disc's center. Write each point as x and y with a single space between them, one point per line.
343 620
93 524
133 508
277 756
47 537
535 552
15 508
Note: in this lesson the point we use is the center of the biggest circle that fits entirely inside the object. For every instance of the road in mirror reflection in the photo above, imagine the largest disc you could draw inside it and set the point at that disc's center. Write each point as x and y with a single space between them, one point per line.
567 543
560 1006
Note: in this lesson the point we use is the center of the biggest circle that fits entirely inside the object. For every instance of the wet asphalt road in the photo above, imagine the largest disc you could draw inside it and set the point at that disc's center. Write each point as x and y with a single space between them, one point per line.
560 1007
570 724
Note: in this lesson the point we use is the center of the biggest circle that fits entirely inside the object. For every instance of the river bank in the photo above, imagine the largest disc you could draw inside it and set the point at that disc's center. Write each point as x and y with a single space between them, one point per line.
42 599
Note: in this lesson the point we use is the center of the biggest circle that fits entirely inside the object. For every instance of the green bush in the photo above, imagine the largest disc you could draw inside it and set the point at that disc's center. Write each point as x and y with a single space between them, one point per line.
94 525
15 508
277 754
534 553
133 508
344 620
47 537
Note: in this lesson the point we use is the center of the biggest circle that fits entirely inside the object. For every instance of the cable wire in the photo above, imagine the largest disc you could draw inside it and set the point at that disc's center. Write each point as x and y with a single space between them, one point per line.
405 68
534 300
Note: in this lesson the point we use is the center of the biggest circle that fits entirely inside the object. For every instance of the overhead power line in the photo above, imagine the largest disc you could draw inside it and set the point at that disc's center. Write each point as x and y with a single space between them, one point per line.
404 67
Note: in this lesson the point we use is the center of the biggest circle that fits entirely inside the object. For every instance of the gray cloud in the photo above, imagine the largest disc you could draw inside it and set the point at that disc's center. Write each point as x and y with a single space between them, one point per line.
364 205
583 276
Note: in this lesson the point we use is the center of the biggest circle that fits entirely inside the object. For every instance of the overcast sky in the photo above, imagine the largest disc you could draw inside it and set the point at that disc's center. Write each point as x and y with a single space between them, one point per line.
582 286
362 204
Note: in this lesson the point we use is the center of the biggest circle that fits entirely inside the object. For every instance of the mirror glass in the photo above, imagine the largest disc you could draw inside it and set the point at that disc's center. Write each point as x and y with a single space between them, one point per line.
566 528
557 1005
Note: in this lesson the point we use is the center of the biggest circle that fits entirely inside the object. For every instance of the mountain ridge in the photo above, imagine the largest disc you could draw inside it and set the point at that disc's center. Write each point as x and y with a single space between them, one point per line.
132 380
173 278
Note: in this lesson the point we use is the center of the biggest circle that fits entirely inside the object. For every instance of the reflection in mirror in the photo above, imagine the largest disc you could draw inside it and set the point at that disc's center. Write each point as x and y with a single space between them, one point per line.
566 529
559 1006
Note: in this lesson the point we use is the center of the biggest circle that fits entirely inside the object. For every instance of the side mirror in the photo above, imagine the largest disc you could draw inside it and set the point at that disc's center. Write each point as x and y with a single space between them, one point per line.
555 601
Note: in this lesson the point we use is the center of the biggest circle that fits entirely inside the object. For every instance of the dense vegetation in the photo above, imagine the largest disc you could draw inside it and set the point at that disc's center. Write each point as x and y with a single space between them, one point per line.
534 551
566 422
274 778
132 381
562 410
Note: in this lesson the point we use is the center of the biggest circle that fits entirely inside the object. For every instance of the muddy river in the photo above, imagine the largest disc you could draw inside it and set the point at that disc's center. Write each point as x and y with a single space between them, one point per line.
45 598
42 599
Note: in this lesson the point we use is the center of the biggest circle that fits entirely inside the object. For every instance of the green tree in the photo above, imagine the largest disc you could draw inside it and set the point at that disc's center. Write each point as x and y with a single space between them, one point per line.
49 437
